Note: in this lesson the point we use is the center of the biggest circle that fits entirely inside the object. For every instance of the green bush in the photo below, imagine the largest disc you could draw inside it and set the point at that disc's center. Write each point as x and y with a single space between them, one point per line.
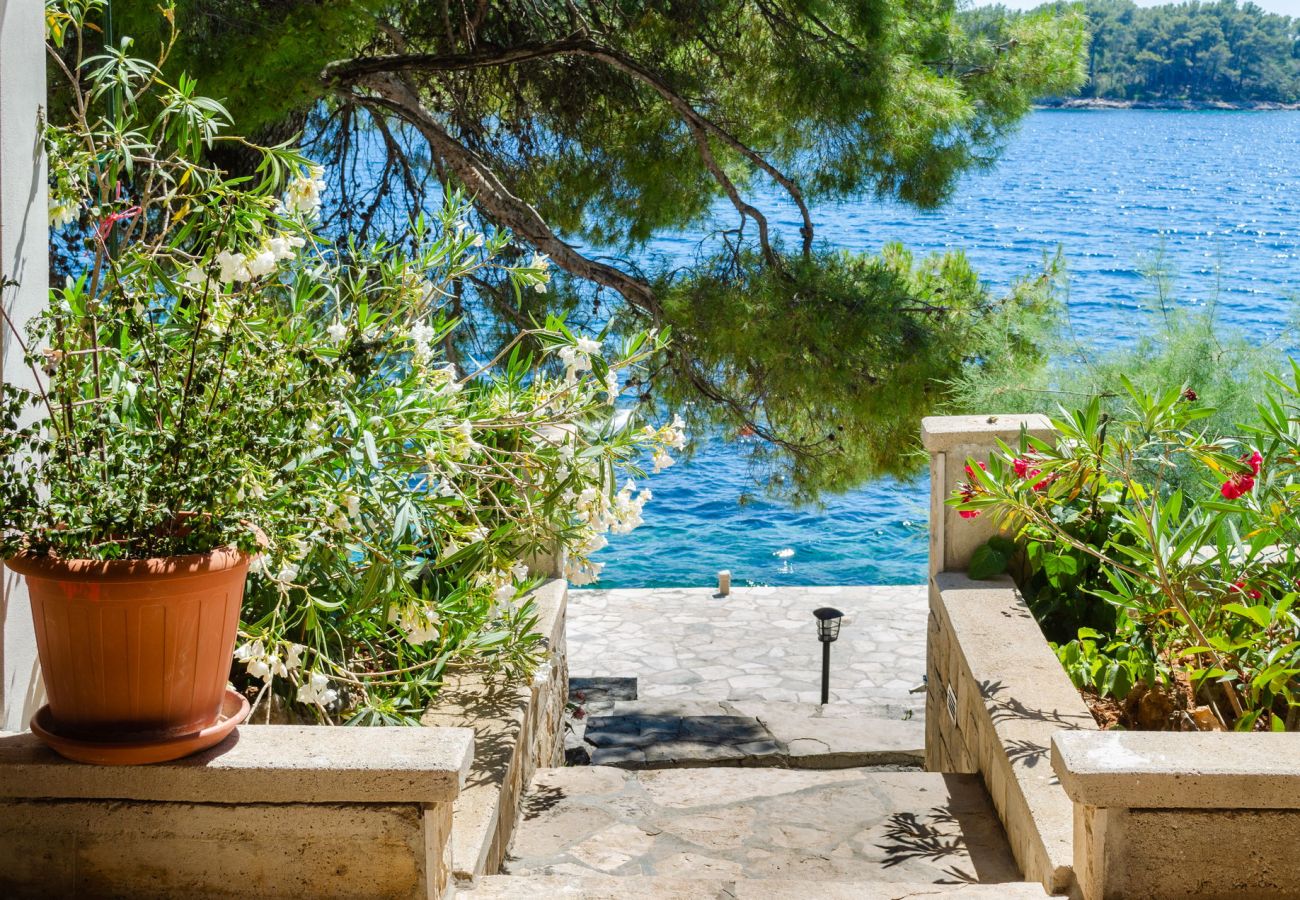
1163 546
217 373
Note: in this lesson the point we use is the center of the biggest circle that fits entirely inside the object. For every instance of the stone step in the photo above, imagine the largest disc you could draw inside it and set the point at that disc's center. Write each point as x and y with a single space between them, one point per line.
845 825
660 734
605 887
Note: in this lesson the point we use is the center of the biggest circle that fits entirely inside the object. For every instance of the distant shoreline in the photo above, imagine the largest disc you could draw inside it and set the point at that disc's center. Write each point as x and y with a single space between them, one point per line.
1184 105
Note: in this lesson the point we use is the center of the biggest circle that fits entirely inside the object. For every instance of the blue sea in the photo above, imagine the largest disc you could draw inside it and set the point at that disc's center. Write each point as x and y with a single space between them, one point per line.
1217 193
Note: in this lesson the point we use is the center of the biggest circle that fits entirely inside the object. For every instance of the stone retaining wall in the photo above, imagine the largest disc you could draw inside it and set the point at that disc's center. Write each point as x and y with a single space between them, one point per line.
275 811
1116 814
996 695
1168 814
518 729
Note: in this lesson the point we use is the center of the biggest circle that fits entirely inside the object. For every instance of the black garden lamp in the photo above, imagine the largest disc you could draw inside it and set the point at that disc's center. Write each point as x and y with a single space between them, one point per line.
828 629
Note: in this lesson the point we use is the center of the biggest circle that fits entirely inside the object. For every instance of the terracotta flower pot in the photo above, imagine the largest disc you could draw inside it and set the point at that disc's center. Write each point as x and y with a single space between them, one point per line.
135 652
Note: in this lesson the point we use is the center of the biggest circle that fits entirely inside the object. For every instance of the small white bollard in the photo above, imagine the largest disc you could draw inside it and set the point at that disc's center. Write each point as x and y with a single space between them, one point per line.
724 583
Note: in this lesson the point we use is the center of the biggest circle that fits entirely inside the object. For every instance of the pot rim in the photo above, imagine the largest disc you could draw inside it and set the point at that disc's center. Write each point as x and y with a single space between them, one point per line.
188 565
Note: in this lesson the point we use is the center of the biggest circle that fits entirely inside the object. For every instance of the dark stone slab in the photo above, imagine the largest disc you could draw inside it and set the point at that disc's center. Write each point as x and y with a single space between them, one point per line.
724 729
586 689
619 757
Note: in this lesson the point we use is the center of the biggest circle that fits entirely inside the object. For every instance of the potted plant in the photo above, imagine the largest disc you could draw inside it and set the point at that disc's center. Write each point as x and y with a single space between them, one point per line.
215 391
165 374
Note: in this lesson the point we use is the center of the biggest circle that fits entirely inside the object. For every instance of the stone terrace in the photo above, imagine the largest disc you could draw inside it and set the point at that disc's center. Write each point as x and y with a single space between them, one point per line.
758 643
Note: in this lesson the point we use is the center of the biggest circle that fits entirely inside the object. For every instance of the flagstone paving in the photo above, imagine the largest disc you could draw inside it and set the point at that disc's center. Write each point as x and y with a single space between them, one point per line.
842 825
662 734
759 643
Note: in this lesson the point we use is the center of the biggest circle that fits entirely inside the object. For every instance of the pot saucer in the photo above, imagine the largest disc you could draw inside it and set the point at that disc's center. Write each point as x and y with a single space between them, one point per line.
234 708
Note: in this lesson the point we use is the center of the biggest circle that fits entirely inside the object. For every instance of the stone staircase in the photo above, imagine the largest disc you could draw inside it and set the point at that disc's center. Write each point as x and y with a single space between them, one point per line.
710 786
757 830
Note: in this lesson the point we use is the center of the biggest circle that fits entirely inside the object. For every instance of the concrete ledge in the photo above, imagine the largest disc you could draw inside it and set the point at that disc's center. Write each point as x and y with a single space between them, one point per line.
1138 795
276 811
996 695
260 764
943 434
1173 770
70 848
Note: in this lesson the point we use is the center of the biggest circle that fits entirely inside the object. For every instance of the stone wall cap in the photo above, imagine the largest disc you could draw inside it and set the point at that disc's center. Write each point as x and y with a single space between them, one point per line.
261 764
940 434
1177 770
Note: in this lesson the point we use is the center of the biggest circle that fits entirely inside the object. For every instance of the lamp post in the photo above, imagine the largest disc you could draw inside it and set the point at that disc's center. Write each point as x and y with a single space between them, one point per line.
828 629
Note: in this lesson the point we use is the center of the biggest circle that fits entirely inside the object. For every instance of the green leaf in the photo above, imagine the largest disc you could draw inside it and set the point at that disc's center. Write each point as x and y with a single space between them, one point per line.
1259 614
986 562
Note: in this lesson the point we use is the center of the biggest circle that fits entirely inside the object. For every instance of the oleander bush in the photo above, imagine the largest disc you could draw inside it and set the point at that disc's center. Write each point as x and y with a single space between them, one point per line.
1158 554
217 372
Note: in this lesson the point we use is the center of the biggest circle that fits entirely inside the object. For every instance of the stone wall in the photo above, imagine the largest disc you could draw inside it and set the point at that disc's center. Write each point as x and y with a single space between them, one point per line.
950 441
1161 814
518 729
996 695
276 811
995 692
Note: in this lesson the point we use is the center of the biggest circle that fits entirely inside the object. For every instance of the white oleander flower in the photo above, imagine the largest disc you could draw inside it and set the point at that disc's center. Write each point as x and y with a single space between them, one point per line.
262 264
337 332
63 212
250 650
316 690
283 247
233 266
611 385
588 345
662 460
304 194
419 624
580 572
421 333
677 433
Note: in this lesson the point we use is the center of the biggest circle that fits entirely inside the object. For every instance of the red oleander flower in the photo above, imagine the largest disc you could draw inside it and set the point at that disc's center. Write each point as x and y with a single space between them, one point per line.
1240 483
1190 396
1025 468
968 492
1239 587
1237 486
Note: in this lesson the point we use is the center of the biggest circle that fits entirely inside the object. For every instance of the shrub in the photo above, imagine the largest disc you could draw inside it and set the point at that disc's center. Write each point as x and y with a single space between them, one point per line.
1166 548
216 373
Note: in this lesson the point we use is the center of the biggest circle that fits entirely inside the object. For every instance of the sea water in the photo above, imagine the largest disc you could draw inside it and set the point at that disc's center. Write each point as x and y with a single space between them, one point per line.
1217 192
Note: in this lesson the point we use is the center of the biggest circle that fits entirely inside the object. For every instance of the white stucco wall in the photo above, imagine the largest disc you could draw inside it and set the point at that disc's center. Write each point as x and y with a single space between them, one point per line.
24 257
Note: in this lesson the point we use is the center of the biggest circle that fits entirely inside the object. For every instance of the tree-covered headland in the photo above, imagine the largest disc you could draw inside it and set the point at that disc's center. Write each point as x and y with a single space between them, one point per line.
587 128
1223 51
